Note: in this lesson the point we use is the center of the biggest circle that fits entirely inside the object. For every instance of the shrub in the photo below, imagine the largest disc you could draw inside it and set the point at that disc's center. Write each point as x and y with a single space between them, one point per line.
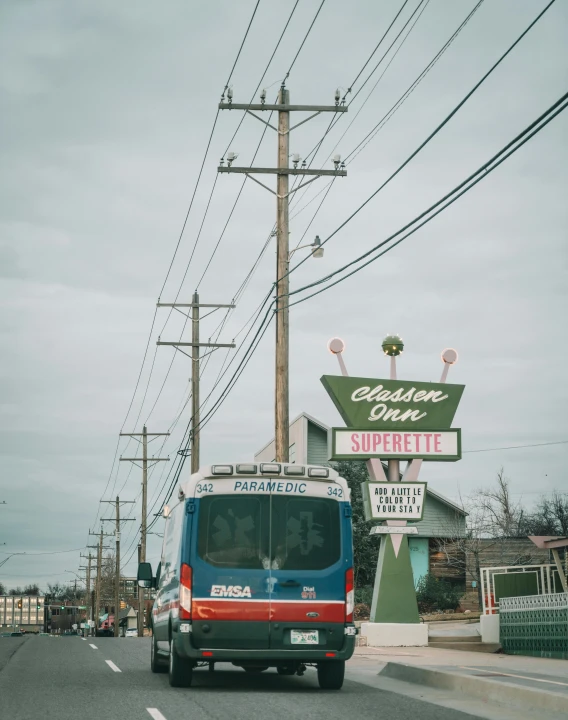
433 594
364 595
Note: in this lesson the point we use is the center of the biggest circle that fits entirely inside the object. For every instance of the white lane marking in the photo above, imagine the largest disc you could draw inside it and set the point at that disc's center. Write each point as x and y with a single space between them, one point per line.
514 675
155 713
112 666
93 646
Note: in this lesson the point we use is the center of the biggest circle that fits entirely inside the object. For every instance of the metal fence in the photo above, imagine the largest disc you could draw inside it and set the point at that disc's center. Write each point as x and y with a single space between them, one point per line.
516 580
535 625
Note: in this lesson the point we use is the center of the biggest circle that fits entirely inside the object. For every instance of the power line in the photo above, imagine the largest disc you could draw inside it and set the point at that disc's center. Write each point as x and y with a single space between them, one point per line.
392 59
515 447
372 133
207 149
176 250
378 45
434 132
473 179
303 42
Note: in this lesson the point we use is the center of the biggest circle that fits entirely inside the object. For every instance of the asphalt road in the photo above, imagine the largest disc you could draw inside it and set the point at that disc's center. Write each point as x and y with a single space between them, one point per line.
71 678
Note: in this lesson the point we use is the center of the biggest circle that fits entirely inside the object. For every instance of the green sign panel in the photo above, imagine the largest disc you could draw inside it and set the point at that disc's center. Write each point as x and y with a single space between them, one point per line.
368 403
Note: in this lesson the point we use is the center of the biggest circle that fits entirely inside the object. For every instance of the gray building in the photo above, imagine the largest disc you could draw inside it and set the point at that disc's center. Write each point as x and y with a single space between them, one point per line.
23 612
310 443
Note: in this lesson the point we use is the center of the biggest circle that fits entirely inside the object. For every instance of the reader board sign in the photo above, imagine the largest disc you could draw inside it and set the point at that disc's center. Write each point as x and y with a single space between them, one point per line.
353 443
393 500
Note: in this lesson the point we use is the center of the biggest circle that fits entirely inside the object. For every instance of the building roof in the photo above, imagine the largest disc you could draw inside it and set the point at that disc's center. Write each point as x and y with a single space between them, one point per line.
312 419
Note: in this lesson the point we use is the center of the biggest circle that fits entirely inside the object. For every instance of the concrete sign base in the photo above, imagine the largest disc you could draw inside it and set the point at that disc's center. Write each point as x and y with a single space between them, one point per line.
395 634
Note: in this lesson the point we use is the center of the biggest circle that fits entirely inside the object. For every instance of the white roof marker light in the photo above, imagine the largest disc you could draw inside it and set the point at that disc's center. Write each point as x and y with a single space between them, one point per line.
270 468
318 472
221 469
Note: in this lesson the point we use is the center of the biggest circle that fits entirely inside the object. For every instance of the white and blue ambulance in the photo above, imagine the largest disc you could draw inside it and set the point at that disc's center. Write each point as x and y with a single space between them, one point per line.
256 570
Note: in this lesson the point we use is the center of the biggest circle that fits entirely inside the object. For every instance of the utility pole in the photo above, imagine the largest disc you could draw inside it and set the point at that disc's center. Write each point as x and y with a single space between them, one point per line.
146 463
195 345
88 603
117 503
283 193
99 548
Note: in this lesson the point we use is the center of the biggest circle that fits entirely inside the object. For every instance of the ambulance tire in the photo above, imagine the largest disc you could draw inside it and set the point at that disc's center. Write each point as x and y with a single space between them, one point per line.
156 665
331 674
180 670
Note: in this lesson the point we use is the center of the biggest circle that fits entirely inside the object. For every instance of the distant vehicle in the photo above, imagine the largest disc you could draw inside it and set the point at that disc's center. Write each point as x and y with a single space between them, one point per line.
17 634
105 632
131 632
6 634
257 570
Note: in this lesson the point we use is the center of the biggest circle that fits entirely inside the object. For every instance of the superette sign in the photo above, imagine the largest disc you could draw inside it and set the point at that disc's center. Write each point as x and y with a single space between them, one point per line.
369 404
353 443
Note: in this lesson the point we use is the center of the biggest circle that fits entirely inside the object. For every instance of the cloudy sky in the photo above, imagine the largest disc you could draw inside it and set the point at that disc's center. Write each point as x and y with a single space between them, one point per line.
106 110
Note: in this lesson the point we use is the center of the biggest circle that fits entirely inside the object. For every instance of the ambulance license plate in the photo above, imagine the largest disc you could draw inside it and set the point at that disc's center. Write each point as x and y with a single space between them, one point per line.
304 637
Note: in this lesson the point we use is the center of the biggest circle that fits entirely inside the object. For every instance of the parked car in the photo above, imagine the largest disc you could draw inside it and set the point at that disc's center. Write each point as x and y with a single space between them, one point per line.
131 632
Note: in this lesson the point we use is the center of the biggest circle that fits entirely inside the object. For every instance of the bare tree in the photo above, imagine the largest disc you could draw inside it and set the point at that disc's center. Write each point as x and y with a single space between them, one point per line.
492 518
550 516
503 516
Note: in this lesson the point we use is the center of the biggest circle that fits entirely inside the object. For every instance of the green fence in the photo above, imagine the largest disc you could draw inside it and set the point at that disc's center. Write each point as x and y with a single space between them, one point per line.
535 625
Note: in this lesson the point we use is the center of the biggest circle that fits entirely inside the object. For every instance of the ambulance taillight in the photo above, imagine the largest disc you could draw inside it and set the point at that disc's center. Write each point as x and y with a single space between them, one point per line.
185 592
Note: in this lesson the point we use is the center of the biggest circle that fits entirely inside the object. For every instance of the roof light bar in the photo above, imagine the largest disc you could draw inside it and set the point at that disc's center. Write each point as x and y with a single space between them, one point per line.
270 468
221 469
246 469
318 472
294 470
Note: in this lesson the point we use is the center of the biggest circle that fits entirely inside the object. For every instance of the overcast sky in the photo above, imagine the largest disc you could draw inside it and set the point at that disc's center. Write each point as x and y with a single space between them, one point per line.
106 109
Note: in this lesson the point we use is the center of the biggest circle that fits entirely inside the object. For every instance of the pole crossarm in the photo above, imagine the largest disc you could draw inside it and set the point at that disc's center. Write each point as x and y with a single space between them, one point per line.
188 344
195 305
281 171
153 460
139 435
284 107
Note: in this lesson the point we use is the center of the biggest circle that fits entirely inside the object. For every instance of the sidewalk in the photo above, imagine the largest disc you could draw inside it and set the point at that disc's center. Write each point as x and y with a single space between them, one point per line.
538 687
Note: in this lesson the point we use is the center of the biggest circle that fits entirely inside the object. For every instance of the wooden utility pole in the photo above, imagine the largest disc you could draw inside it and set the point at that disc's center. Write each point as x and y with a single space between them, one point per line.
283 193
117 520
88 603
195 384
195 357
146 463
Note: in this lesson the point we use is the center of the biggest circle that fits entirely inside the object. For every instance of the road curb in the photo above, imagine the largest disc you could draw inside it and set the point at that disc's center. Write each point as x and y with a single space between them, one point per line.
488 689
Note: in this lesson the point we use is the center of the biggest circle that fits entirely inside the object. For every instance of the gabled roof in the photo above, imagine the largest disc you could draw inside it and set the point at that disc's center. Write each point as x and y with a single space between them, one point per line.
312 419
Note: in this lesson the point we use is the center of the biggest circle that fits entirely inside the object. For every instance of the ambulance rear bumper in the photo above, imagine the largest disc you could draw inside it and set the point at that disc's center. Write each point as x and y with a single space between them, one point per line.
184 645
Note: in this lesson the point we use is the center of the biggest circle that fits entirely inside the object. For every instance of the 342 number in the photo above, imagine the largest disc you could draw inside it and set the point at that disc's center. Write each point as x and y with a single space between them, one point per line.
204 487
335 491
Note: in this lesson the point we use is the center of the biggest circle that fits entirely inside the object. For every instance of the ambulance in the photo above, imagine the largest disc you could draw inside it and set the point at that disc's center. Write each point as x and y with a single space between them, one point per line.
256 570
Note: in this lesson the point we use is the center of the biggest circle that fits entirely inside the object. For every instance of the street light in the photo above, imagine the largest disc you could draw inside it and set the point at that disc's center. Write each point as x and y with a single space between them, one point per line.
316 245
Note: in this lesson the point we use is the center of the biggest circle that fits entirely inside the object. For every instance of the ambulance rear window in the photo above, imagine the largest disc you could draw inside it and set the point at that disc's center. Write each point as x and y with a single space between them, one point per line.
277 532
233 531
305 533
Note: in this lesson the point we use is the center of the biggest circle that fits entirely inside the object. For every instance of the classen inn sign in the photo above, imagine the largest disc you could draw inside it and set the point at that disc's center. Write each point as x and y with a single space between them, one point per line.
394 420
